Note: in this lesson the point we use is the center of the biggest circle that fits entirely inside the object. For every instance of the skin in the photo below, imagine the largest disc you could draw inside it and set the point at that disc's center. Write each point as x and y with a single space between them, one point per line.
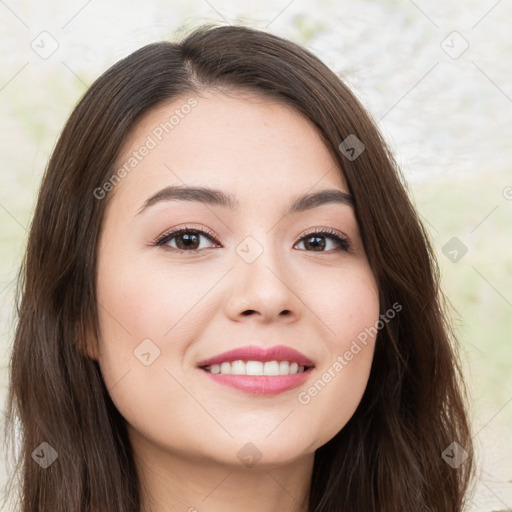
185 429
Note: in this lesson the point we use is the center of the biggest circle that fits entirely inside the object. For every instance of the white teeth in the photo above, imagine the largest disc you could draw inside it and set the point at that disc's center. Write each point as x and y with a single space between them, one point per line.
271 368
253 367
256 368
238 368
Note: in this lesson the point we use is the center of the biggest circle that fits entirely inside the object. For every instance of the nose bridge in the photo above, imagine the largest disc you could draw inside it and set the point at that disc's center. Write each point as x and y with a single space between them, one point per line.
260 278
256 256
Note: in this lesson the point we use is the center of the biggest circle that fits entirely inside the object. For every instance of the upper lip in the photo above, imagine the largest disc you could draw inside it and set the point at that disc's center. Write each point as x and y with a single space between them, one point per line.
255 353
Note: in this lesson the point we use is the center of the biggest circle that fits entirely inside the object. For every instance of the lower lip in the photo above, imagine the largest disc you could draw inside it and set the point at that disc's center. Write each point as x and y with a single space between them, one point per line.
261 384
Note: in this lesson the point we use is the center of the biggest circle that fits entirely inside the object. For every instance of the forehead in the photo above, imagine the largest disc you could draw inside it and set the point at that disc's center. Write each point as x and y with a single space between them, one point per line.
257 149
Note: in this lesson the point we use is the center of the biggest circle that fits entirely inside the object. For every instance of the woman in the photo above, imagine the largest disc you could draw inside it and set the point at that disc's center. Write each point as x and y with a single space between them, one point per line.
228 300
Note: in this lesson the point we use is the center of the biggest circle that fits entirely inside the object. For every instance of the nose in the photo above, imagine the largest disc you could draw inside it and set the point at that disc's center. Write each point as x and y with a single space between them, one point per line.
262 288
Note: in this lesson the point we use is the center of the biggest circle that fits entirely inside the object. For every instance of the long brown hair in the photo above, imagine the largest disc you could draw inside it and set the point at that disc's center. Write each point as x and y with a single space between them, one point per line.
388 458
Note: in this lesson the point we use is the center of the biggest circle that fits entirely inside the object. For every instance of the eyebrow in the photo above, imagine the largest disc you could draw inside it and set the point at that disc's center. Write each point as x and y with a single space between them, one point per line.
215 197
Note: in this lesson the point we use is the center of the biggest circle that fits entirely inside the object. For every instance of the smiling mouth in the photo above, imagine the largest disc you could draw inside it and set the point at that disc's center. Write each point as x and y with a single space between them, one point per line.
256 368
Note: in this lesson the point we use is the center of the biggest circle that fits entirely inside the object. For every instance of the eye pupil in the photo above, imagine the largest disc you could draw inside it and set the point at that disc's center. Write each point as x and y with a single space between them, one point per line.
318 245
189 239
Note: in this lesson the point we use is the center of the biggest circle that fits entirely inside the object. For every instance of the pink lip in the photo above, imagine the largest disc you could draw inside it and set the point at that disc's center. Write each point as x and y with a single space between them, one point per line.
261 384
255 353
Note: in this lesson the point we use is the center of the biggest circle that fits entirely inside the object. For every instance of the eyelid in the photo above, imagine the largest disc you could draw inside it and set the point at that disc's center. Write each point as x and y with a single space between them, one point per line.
321 230
189 227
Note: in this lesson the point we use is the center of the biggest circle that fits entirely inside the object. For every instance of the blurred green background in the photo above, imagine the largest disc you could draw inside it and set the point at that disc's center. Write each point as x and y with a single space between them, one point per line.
445 108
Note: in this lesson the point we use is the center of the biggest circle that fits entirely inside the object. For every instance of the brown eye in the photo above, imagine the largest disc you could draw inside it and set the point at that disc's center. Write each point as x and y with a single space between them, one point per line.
186 239
317 241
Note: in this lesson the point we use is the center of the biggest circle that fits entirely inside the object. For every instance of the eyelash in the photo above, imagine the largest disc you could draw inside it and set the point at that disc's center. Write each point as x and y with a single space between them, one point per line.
341 241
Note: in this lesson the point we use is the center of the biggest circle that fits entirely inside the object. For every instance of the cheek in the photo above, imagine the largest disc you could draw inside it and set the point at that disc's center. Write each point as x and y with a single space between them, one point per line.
347 301
350 311
155 311
141 300
140 313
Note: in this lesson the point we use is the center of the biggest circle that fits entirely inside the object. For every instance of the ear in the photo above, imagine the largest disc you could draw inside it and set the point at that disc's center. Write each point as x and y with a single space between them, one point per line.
91 349
87 343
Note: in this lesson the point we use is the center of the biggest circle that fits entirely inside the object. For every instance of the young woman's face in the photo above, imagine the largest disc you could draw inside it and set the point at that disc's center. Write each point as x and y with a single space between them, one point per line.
250 276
